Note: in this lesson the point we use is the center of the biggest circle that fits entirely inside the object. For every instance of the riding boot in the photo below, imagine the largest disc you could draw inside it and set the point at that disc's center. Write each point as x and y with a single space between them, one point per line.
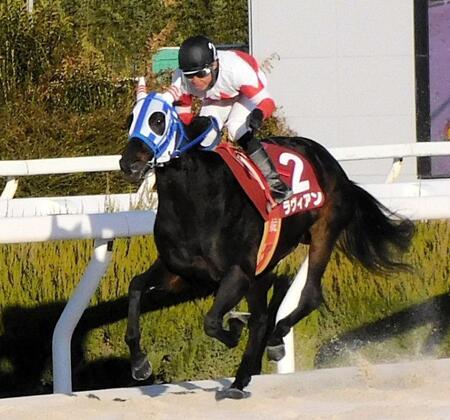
279 190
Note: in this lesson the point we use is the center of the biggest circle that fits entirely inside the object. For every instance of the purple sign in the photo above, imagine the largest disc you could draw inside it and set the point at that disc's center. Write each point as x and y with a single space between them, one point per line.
439 65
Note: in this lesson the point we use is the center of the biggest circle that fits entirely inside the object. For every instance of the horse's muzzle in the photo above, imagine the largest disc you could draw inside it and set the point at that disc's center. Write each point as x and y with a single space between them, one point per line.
135 160
133 171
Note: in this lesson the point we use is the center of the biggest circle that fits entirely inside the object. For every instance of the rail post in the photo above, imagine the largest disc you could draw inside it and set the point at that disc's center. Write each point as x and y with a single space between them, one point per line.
62 335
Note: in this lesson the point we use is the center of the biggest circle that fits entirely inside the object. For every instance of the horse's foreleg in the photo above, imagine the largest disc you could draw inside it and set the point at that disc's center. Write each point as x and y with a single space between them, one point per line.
161 289
140 366
231 290
257 325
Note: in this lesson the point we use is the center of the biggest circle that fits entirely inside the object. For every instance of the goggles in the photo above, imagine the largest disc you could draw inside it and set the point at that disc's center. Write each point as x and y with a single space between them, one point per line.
197 73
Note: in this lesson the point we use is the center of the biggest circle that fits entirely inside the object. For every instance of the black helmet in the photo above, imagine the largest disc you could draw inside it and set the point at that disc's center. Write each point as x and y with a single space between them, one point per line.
196 53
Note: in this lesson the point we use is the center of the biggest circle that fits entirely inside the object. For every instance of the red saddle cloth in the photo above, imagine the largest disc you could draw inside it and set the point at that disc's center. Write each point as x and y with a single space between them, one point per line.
294 169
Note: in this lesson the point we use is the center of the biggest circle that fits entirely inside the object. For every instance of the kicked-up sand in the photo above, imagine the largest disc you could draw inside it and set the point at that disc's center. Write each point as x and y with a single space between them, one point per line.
406 391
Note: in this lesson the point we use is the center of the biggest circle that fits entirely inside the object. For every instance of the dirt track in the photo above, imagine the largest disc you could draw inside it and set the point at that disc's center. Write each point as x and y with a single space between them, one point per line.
414 390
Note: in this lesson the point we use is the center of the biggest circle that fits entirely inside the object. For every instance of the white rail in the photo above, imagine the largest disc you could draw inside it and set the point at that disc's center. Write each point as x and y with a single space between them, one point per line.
418 200
62 335
107 226
14 169
18 168
425 207
391 151
81 204
59 165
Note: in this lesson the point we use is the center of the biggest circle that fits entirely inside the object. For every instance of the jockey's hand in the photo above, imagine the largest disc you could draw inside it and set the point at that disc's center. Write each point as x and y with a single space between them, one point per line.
255 119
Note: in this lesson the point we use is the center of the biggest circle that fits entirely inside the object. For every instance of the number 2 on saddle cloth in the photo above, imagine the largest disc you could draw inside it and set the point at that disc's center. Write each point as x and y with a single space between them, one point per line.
294 170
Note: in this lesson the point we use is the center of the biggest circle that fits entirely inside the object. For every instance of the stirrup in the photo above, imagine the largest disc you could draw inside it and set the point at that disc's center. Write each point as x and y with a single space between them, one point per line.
280 196
280 191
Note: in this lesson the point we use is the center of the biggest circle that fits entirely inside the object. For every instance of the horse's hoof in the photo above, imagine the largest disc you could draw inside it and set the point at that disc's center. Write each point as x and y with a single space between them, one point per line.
276 353
141 370
232 393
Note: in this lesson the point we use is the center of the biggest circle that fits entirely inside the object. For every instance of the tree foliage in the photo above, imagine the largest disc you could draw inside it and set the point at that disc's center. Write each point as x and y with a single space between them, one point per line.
67 70
89 45
31 45
121 29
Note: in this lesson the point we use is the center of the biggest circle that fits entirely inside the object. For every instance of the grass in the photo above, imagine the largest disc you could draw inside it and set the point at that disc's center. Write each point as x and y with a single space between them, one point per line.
377 318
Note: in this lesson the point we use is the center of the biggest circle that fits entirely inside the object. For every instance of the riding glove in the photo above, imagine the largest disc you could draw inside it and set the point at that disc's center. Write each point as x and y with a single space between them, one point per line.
255 119
212 138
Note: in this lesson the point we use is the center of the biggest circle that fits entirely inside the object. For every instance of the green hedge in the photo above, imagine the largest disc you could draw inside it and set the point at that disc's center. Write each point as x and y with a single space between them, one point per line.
364 316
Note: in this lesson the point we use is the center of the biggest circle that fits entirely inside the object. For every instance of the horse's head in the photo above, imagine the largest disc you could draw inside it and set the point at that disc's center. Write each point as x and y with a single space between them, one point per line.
153 132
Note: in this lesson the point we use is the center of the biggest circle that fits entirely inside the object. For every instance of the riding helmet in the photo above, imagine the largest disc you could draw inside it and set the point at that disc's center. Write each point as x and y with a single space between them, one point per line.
196 53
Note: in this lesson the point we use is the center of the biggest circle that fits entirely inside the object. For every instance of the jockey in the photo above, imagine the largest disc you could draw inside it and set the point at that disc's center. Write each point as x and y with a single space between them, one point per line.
233 91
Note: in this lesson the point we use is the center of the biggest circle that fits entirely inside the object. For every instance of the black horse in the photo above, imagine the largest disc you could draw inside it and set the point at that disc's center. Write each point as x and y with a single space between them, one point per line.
207 233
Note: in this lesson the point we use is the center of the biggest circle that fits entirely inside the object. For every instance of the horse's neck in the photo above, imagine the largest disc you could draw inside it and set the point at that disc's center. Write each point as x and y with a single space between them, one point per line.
189 173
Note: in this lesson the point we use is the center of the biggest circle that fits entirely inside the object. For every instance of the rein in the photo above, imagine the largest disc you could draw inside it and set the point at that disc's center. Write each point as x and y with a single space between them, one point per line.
183 143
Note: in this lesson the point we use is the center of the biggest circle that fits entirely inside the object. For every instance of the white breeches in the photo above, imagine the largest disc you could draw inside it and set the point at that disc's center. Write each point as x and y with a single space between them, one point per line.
231 113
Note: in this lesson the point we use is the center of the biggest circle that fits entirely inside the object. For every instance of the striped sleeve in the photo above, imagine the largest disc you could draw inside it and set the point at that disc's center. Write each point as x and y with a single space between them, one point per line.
182 99
256 92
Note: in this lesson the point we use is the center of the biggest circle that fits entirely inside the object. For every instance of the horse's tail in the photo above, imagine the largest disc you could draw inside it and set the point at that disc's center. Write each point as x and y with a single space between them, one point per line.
376 236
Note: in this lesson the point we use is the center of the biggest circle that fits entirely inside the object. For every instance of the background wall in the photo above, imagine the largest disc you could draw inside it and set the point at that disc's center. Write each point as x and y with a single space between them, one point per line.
342 71
439 59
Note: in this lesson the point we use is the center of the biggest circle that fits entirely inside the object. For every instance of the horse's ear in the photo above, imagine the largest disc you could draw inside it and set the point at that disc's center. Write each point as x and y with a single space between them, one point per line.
198 125
141 88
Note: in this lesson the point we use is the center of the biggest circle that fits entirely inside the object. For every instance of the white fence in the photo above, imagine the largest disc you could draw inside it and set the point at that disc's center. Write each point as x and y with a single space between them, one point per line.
82 217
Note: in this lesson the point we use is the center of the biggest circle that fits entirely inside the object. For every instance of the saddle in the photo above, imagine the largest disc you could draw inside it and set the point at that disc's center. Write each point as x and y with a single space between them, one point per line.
294 169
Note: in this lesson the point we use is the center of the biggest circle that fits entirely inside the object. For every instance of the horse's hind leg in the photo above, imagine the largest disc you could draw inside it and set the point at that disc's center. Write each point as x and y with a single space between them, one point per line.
161 289
231 290
281 285
323 238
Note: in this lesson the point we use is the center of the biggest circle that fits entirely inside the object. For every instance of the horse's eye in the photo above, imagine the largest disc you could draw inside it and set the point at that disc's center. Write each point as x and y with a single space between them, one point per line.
157 123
